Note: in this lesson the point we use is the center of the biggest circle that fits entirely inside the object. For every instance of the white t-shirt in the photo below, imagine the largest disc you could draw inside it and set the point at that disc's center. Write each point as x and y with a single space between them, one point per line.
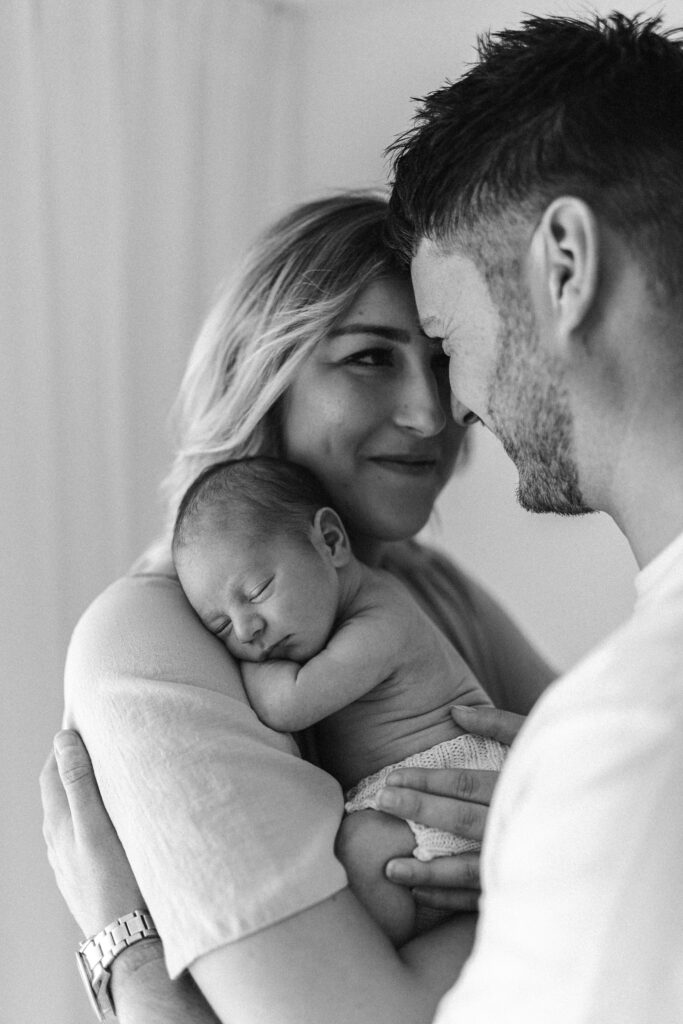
582 919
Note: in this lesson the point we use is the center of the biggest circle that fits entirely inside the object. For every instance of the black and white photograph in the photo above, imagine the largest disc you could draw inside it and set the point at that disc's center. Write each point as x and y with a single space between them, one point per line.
342 589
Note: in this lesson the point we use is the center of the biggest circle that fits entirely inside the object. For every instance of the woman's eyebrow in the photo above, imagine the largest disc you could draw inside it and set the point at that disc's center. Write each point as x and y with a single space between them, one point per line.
377 330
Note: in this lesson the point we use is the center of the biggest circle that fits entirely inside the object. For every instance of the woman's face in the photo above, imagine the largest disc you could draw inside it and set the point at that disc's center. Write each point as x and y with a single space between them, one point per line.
369 414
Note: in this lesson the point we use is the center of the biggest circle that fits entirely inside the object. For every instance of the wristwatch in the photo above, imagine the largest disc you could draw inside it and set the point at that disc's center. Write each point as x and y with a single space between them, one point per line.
95 956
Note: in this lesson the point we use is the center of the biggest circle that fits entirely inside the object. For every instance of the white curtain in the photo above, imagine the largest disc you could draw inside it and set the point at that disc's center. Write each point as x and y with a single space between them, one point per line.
142 143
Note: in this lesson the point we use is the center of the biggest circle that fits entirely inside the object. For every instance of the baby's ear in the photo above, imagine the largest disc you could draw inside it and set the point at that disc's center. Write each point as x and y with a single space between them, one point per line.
329 528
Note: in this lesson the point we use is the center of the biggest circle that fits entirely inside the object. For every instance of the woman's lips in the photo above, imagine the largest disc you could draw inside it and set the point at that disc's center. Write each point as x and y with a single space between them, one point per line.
406 465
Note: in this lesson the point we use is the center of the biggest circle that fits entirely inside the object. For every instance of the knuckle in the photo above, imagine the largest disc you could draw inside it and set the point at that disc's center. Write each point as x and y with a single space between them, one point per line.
465 786
471 872
72 774
414 805
469 820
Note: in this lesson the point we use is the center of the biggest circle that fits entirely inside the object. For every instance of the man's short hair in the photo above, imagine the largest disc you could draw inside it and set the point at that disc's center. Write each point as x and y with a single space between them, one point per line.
259 494
560 106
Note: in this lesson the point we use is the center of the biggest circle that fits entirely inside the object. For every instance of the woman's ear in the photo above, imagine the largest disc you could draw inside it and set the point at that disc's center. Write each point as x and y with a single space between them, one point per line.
564 258
329 528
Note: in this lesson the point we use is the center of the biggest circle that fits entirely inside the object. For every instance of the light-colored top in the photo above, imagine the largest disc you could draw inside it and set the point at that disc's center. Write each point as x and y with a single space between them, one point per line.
582 918
381 688
210 804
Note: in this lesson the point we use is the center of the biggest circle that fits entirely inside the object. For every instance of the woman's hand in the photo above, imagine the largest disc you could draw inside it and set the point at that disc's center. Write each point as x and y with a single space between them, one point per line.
85 853
452 799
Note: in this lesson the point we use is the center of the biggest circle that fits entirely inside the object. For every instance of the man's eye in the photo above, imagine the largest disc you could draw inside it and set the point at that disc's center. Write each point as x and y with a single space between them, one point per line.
371 357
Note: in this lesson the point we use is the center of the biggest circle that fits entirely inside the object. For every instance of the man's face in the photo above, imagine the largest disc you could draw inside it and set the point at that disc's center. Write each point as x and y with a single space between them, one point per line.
501 371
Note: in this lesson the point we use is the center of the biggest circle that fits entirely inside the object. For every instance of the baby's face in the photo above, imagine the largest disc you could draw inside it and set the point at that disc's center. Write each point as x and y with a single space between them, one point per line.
264 597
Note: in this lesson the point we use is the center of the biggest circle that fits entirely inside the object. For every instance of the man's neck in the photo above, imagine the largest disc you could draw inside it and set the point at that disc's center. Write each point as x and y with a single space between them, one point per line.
647 490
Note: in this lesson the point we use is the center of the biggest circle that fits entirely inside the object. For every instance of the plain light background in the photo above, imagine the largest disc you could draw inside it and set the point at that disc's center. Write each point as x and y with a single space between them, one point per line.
144 143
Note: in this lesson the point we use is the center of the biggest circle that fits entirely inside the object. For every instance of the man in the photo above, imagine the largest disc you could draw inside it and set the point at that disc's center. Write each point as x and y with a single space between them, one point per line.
540 199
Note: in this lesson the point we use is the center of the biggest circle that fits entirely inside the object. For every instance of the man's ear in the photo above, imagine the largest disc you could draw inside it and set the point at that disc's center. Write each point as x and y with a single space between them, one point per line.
564 263
329 528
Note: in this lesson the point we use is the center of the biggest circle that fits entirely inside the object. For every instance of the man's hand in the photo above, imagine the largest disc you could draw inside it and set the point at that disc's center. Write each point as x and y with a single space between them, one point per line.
85 853
452 799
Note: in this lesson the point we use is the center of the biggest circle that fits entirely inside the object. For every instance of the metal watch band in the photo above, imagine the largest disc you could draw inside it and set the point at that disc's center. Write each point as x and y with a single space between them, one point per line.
97 953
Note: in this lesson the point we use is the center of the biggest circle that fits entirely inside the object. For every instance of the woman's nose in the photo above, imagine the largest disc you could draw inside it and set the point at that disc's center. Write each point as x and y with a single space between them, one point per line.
247 625
419 407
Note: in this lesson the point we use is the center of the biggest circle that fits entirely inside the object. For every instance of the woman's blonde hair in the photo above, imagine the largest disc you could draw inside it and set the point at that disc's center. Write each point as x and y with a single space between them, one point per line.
293 285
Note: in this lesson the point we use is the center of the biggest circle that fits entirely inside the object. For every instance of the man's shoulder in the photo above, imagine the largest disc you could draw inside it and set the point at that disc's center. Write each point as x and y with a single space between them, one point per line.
631 682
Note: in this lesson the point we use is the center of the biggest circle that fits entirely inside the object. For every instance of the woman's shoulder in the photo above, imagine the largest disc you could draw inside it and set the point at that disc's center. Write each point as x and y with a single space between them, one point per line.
142 627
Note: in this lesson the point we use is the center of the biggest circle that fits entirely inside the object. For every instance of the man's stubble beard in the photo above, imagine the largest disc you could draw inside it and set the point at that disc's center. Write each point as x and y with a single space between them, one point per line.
529 411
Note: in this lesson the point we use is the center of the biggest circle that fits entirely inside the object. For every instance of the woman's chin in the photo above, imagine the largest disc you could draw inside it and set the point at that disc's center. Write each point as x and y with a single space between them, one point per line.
390 528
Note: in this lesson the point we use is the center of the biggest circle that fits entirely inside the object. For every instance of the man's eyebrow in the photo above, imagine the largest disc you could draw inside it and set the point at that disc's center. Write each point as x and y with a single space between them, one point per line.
377 330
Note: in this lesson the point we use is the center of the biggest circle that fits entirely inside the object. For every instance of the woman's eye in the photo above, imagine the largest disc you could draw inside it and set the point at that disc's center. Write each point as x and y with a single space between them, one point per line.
371 357
261 591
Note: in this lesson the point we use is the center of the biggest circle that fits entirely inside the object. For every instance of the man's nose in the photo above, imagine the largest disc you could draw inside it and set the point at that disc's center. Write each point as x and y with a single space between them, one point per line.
462 415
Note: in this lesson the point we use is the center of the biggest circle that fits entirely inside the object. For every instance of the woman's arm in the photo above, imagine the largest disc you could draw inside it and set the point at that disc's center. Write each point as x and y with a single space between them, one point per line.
96 881
210 805
332 963
328 962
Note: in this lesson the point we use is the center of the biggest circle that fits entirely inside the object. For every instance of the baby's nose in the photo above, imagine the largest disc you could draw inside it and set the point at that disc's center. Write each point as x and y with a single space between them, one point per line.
248 628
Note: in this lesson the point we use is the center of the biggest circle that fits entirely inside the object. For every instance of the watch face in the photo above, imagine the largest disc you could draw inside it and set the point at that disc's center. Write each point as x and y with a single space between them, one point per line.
94 994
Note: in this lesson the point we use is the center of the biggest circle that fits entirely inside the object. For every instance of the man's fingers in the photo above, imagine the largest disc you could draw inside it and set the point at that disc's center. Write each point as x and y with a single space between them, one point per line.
53 797
73 760
458 872
457 900
486 721
475 785
78 780
442 812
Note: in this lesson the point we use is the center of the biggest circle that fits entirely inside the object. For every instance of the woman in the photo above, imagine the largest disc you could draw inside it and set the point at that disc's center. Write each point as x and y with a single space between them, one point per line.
315 354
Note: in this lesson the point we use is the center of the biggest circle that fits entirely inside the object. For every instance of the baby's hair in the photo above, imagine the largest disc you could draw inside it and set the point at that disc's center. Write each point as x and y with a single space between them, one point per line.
258 494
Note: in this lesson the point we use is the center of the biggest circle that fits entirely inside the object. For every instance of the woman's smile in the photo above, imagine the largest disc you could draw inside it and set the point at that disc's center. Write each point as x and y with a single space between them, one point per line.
411 465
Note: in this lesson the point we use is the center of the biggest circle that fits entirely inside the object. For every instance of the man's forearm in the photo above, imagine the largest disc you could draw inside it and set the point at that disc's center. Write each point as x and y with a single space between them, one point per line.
143 993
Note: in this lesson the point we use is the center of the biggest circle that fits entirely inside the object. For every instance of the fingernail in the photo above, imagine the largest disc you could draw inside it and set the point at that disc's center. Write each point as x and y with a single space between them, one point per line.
65 738
389 800
462 709
397 871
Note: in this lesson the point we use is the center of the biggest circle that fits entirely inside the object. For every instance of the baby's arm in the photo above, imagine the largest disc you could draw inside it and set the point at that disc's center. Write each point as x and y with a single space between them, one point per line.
289 697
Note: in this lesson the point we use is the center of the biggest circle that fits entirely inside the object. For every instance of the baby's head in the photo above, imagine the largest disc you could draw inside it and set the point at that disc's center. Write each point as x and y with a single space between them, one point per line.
258 551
